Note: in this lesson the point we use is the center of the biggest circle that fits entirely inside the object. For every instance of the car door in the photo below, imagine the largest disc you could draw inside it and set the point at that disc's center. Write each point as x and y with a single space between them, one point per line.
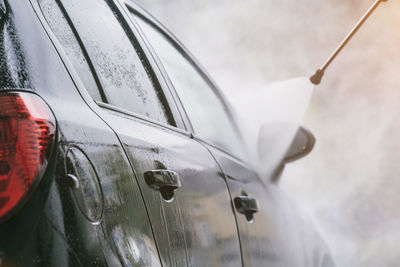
270 230
185 194
268 234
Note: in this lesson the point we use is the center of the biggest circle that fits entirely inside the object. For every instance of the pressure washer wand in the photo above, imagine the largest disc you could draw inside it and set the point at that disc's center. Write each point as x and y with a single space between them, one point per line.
317 77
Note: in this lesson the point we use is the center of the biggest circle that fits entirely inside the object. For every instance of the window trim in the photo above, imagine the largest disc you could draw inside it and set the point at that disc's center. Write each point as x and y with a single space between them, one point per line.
83 49
126 6
125 112
130 33
152 65
159 64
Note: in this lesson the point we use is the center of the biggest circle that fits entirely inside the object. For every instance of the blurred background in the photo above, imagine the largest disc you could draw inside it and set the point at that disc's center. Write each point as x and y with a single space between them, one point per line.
350 181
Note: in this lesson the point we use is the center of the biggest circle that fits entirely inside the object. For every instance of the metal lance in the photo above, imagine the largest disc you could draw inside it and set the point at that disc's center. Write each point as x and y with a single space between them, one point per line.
317 77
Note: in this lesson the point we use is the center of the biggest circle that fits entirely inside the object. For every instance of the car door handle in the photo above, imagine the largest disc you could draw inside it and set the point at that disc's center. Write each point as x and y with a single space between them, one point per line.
164 181
247 206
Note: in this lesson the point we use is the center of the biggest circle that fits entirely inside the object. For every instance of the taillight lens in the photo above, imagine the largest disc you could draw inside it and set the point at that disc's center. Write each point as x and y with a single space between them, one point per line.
27 128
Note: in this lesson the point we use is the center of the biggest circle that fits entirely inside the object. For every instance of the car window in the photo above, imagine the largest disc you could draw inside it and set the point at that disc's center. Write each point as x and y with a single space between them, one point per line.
64 34
206 111
120 70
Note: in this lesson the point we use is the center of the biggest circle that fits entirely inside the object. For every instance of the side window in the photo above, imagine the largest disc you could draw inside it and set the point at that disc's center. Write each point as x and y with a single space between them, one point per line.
116 63
205 109
64 34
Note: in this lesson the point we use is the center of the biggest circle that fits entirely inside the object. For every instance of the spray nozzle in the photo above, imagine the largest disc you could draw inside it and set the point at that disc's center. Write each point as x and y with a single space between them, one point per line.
317 77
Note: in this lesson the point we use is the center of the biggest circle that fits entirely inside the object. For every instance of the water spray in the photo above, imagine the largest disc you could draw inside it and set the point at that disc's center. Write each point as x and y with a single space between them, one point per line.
317 77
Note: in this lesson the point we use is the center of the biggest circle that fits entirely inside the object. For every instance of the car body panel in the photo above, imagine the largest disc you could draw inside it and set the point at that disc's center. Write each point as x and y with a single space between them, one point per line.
51 229
270 239
198 226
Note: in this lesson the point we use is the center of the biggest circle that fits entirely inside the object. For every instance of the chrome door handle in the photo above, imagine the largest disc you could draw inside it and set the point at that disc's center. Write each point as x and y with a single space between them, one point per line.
164 181
247 206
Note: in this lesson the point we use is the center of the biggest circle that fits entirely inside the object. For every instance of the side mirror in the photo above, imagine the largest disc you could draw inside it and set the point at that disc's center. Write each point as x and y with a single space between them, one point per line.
303 143
280 143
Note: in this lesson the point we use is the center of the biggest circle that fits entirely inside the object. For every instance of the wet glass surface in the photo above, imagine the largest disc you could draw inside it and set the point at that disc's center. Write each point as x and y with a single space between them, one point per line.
66 37
123 77
13 69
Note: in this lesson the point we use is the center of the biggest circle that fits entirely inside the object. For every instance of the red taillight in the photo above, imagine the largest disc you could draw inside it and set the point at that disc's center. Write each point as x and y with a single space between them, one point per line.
27 128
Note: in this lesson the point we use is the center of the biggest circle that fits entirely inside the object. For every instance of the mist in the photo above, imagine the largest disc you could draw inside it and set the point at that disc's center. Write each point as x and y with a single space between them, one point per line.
350 181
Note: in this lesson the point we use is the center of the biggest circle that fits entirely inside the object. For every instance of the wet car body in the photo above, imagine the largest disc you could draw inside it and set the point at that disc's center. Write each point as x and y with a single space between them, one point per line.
126 187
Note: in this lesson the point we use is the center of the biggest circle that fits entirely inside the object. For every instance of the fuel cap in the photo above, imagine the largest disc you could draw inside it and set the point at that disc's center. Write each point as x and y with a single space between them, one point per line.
83 181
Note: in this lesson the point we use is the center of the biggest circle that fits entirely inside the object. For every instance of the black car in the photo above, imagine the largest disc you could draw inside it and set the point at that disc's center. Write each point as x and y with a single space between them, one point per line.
116 149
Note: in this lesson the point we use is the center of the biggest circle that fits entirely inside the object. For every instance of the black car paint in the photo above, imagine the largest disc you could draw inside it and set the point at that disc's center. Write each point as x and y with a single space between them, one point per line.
52 230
